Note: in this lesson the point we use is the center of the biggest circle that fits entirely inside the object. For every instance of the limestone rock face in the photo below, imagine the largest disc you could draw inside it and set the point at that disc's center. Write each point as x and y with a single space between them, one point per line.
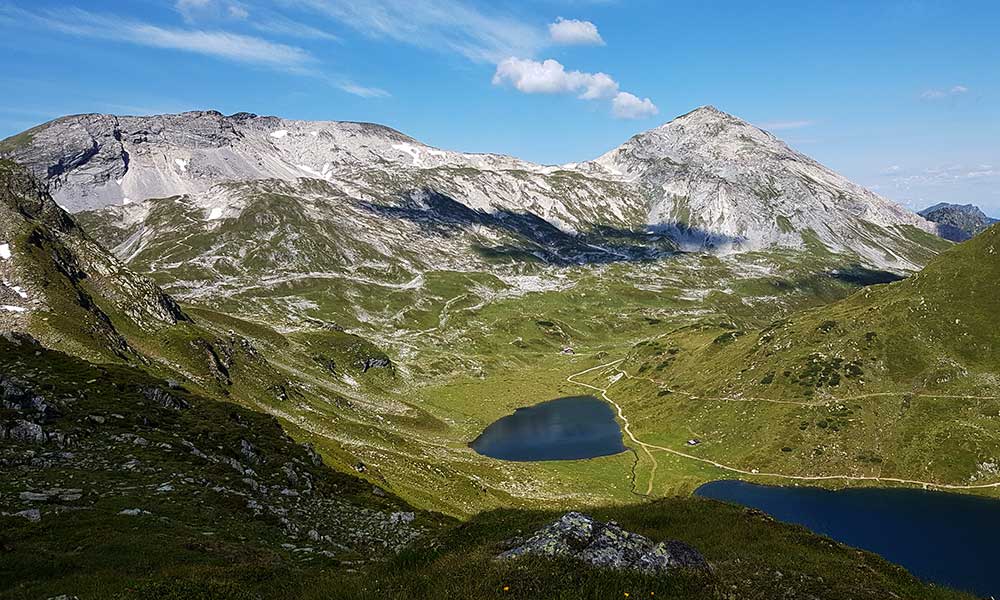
607 545
716 180
704 181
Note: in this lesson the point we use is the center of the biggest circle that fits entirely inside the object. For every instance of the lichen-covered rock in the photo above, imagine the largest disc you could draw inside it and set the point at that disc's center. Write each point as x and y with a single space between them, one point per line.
26 431
607 545
164 398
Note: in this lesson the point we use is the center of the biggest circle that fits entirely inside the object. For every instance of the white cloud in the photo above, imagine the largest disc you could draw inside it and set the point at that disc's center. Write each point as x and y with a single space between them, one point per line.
783 125
938 94
573 32
628 106
449 25
485 36
550 77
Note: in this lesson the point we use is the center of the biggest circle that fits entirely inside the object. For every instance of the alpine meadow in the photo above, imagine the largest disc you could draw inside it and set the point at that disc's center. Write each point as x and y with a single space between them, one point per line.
254 357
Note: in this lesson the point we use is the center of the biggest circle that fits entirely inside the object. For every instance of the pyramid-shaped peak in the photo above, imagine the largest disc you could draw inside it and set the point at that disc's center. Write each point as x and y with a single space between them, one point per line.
707 114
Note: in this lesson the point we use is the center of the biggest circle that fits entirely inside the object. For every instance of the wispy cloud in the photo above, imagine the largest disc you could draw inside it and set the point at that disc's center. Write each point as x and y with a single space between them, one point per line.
785 125
551 77
573 32
941 93
941 174
260 18
360 90
457 26
219 44
279 25
193 10
435 24
247 49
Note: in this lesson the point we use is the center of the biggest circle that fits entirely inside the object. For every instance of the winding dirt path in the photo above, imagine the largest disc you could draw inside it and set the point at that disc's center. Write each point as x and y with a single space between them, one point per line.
626 426
648 448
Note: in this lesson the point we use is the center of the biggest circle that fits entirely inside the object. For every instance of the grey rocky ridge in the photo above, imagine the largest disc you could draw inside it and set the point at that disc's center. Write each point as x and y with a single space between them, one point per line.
958 222
706 180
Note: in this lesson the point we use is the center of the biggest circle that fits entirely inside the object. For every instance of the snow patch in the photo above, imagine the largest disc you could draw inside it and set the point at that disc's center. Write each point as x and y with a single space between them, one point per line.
350 380
279 134
5 251
409 149
326 173
126 200
215 214
15 309
16 289
182 164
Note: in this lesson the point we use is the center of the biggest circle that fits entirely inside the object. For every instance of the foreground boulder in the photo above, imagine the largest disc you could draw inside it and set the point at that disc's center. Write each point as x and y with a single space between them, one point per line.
606 545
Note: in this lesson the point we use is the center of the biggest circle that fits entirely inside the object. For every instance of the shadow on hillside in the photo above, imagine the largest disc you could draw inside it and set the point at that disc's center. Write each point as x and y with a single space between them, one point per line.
863 276
527 237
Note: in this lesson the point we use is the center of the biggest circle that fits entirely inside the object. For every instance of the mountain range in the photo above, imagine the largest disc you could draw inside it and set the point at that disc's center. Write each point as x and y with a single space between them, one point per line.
187 299
706 180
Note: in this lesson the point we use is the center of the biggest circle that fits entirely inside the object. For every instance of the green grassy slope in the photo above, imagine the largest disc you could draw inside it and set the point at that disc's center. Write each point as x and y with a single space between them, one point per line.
898 380
147 490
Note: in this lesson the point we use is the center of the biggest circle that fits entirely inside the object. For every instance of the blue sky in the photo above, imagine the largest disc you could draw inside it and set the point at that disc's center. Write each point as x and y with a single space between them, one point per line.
901 96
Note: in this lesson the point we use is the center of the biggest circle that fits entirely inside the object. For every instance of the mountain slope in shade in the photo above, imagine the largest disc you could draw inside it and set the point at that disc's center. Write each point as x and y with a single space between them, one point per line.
958 222
706 180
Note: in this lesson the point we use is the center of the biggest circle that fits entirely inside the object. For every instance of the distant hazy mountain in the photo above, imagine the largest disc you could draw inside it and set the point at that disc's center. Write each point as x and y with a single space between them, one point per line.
958 222
706 180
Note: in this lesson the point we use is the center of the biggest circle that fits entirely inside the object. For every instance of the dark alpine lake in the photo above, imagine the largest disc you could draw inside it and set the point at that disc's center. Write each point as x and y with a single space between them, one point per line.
561 429
950 539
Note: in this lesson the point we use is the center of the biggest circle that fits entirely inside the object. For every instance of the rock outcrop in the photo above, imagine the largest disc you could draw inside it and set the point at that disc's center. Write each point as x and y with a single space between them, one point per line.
606 545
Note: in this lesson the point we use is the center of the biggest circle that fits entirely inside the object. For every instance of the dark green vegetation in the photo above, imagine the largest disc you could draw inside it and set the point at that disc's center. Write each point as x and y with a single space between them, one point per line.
146 490
136 481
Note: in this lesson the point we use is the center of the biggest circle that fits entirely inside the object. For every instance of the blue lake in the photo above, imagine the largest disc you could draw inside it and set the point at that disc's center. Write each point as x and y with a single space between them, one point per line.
949 539
562 429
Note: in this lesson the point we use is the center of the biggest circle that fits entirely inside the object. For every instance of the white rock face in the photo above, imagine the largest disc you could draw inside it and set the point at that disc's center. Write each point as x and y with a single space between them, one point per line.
720 181
707 180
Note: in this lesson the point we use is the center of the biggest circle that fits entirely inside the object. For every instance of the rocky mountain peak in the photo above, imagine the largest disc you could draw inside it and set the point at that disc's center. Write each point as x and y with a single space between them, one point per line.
958 222
706 179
